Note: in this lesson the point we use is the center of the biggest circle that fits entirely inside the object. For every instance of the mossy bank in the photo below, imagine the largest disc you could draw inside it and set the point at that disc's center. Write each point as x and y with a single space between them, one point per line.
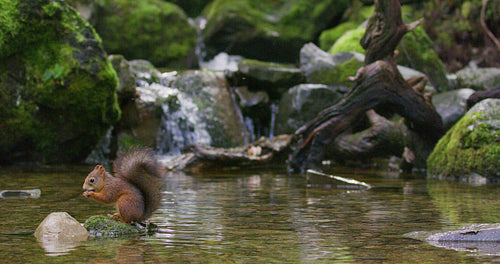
57 87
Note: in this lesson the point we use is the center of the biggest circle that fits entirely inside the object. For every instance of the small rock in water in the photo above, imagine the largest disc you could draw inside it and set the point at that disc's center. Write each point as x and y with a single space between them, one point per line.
35 193
60 233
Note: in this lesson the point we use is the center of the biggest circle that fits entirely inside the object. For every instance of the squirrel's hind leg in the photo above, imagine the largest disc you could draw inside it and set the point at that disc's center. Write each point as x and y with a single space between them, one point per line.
129 210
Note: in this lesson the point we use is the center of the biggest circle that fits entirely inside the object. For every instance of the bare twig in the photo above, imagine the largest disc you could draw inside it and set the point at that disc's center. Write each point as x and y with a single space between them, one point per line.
485 27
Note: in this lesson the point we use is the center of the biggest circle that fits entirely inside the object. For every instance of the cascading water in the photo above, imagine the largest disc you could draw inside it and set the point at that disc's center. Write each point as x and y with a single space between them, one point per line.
180 123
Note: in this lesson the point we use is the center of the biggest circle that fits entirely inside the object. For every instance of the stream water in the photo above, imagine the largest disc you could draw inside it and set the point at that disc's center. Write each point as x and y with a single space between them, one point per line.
254 216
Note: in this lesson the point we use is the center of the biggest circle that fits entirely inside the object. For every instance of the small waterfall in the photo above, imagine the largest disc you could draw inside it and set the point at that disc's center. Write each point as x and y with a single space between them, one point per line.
180 123
181 126
274 111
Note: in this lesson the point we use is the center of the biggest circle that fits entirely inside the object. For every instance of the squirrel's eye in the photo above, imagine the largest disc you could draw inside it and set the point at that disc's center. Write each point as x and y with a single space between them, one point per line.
92 180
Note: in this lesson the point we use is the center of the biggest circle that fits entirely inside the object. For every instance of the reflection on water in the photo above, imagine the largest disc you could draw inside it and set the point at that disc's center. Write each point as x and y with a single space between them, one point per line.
263 216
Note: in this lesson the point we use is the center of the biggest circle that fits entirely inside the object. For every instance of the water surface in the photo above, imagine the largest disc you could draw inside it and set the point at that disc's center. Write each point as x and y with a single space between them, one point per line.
254 216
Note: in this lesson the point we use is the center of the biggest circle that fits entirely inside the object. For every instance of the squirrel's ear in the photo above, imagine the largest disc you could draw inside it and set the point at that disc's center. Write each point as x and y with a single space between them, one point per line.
99 169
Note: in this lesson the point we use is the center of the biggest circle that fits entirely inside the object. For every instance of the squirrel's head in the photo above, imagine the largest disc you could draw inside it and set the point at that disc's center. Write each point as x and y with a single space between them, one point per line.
95 180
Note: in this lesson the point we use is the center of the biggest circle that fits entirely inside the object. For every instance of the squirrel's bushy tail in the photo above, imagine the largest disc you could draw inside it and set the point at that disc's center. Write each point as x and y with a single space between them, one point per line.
141 168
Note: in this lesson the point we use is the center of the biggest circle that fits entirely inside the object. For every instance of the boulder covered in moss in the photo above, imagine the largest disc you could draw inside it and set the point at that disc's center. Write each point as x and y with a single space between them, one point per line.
416 51
153 30
471 146
57 87
267 30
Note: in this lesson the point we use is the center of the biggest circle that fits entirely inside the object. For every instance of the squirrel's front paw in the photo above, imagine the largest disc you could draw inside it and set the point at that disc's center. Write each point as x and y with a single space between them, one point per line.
87 193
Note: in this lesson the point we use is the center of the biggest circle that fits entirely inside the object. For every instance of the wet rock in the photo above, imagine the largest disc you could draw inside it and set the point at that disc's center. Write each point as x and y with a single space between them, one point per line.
21 194
320 67
274 78
471 146
451 105
154 30
108 227
257 110
58 89
267 31
478 78
60 226
302 103
482 239
211 108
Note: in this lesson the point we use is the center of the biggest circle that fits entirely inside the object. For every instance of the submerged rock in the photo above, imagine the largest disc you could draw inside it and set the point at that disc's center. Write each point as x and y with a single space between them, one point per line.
471 147
482 239
57 87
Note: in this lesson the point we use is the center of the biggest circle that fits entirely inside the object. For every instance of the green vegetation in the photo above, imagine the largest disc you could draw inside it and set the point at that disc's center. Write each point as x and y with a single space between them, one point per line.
107 227
61 94
153 30
471 146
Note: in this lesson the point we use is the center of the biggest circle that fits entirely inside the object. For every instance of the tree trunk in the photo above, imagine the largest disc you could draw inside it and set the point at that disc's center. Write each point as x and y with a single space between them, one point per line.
379 85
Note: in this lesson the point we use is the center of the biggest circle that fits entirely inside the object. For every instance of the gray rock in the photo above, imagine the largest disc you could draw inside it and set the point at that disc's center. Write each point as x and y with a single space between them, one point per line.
274 78
321 67
482 239
478 78
60 226
302 103
451 105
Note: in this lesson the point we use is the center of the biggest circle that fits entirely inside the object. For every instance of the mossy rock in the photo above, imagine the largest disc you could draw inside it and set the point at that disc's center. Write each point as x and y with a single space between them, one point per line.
101 226
322 68
471 146
275 78
57 87
330 36
416 51
267 30
349 41
154 30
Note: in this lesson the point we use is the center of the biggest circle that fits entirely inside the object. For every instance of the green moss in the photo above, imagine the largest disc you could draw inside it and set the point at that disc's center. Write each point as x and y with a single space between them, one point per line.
328 37
65 89
349 41
154 30
9 24
107 227
417 52
469 146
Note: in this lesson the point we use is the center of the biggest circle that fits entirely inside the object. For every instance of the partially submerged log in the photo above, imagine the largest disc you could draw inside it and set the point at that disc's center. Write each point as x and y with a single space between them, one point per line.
379 85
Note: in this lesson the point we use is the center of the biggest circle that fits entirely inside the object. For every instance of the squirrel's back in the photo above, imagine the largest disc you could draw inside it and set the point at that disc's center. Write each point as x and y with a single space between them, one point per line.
142 169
